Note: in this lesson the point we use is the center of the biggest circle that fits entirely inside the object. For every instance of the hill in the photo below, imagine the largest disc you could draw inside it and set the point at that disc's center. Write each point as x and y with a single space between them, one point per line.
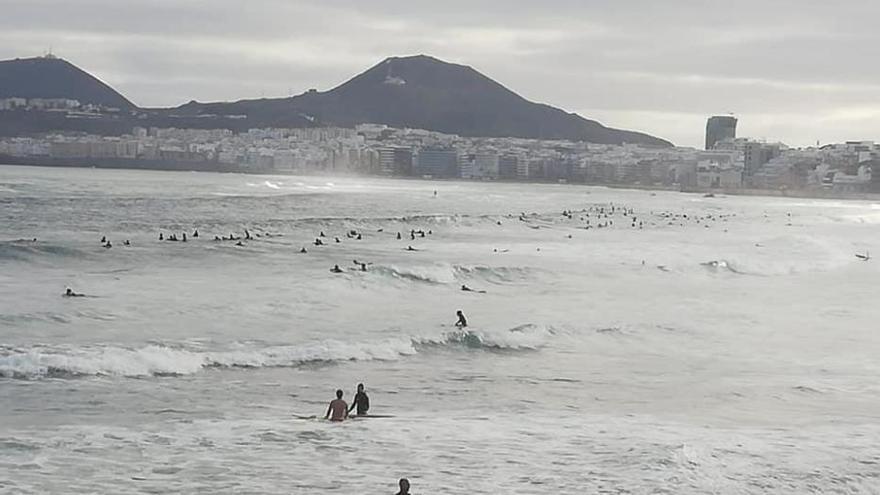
426 93
50 77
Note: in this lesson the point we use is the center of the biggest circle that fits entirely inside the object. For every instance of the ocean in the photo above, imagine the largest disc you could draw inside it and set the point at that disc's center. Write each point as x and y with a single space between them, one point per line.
627 342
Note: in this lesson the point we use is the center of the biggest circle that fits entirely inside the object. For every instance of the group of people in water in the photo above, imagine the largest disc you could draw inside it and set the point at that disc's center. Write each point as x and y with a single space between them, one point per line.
339 410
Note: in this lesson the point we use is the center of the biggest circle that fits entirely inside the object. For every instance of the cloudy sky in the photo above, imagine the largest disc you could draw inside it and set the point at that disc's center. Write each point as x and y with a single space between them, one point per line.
791 70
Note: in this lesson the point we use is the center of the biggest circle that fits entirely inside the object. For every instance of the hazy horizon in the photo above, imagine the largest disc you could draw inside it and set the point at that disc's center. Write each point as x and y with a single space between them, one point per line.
790 71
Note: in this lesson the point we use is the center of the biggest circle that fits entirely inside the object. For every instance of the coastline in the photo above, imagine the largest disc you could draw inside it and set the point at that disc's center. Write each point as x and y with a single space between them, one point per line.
202 166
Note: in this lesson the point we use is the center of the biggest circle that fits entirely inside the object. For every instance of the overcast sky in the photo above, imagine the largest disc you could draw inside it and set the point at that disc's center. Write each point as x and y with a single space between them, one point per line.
791 70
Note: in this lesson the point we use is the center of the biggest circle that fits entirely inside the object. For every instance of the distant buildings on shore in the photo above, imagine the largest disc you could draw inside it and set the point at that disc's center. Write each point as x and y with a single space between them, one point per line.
728 163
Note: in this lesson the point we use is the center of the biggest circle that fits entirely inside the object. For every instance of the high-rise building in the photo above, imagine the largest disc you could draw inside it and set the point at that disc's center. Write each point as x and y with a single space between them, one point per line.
719 128
438 162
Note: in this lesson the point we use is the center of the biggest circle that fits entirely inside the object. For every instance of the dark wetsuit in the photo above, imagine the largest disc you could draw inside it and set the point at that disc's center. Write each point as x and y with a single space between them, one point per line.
362 403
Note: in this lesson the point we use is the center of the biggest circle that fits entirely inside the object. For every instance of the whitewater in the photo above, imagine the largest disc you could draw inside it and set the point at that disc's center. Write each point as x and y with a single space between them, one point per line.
620 341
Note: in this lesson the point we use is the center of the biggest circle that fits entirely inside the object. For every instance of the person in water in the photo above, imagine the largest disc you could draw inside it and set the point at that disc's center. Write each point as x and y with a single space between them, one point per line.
468 289
361 401
338 409
336 269
462 321
70 293
404 487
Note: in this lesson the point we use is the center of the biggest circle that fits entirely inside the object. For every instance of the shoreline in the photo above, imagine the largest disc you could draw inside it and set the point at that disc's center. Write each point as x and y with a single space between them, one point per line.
216 167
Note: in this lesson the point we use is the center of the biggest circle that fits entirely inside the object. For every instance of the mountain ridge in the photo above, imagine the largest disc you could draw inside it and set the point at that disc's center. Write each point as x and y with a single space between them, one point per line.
416 91
423 92
52 77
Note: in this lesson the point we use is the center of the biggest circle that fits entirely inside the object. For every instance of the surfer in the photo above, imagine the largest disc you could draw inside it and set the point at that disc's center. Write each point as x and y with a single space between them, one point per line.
70 293
462 321
303 250
361 401
338 409
404 487
410 248
336 269
465 288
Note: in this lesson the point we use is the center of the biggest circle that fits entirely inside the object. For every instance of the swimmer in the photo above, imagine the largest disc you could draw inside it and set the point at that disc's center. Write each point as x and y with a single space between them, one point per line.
462 321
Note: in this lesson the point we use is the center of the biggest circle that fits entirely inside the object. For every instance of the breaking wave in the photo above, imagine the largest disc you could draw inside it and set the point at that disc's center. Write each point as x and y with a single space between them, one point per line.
451 274
523 337
166 360
24 249
720 266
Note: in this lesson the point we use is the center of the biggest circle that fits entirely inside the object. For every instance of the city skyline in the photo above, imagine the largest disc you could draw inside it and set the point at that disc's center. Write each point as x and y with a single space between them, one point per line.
791 74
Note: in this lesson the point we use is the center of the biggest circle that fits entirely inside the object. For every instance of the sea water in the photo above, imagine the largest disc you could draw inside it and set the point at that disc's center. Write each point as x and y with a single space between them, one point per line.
688 345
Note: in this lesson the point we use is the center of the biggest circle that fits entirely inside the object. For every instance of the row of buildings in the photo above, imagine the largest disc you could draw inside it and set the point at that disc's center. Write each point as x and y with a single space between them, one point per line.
729 163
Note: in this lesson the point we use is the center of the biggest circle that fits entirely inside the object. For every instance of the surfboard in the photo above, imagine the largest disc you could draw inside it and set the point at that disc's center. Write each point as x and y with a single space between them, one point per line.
371 416
298 416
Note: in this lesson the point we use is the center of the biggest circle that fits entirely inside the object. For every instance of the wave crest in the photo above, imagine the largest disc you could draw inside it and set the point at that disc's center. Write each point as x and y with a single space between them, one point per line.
163 360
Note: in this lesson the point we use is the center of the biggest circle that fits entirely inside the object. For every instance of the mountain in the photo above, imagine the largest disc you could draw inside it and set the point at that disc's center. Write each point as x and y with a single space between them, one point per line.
51 77
425 93
418 92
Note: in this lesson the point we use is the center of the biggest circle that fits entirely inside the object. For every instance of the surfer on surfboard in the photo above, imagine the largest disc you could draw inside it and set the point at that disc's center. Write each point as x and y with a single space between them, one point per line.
462 321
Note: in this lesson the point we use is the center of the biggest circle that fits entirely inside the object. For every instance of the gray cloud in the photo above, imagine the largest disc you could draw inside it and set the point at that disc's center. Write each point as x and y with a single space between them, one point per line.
793 70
